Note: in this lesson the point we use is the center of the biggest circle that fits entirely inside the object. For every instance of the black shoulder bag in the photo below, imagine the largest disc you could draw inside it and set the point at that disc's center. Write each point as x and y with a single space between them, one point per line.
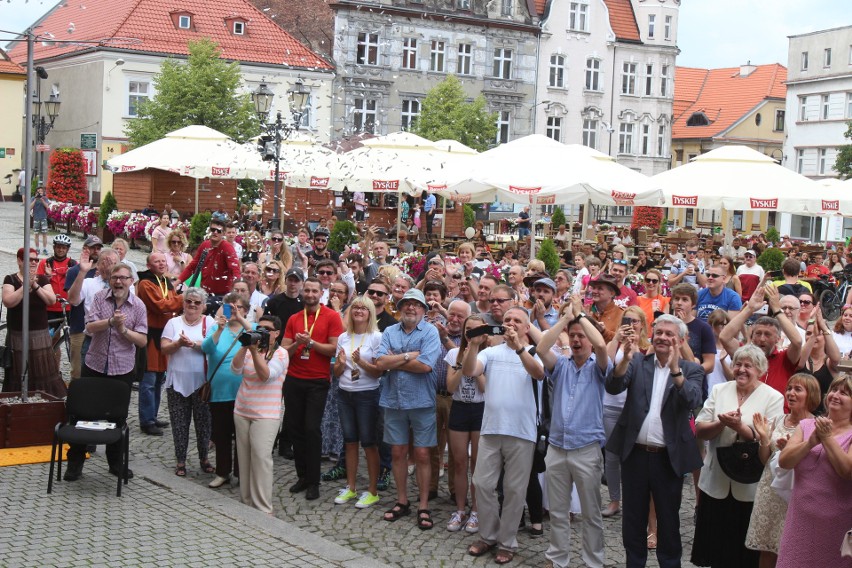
542 425
740 461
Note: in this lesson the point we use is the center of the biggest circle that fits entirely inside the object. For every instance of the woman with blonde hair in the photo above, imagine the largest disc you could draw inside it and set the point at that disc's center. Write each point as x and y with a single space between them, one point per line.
273 278
177 258
278 251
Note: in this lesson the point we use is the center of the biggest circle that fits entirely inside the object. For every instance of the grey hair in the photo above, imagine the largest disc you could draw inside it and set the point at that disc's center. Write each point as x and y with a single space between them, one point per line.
766 320
406 277
754 354
675 321
460 302
109 252
197 293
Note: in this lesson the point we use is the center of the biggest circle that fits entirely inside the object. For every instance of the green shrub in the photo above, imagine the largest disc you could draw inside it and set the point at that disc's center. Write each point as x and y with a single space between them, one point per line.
469 215
547 254
198 228
772 235
558 217
664 227
771 259
108 205
344 234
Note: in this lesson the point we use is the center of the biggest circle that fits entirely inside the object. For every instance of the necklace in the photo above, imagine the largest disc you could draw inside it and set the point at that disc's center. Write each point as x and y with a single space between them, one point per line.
191 323
741 398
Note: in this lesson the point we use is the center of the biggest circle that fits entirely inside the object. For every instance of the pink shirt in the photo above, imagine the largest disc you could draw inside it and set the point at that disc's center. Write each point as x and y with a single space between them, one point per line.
258 399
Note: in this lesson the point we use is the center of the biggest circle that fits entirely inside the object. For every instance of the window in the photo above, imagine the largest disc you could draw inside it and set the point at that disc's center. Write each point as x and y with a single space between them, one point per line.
409 53
803 108
239 28
593 74
465 60
437 56
664 81
667 29
649 77
578 13
590 133
824 106
625 138
652 24
554 128
464 4
826 58
368 49
185 22
800 161
779 120
661 140
678 158
822 156
503 63
503 124
506 7
306 120
137 92
557 71
410 112
698 119
364 115
804 61
646 139
628 78
848 105
850 55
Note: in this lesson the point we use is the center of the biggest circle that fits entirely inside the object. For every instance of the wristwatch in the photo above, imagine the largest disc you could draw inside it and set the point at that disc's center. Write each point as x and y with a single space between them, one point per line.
678 374
519 351
406 357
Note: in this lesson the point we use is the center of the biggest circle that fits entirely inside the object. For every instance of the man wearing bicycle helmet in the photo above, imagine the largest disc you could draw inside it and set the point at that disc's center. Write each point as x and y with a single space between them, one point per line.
55 268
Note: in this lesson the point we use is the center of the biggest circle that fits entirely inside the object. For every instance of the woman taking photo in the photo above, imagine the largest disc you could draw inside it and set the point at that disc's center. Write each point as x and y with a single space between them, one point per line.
724 506
176 258
464 425
358 398
653 301
767 517
819 514
219 347
273 282
257 412
160 235
181 342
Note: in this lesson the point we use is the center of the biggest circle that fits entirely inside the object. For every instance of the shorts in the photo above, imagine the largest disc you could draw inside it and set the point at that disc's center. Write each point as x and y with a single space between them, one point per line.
422 421
466 416
359 412
39 225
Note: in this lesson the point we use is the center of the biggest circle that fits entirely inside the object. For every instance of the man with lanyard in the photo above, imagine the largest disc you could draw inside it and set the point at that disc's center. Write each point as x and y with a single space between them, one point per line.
409 356
689 269
56 269
76 320
221 265
450 337
543 315
310 339
430 206
320 251
162 303
117 322
576 433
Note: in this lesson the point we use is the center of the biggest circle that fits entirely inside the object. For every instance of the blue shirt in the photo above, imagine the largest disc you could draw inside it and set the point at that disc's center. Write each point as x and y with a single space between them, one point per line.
430 203
225 383
77 315
577 419
403 390
551 316
707 302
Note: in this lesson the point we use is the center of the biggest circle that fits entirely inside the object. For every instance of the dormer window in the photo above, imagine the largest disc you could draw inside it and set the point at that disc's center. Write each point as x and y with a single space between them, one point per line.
698 119
236 25
184 22
239 28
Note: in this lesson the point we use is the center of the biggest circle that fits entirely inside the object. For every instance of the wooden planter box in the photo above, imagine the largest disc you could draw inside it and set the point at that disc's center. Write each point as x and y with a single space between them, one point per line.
29 424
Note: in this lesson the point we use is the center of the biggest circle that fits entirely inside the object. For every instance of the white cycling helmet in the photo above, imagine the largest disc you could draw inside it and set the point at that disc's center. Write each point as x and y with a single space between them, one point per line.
62 240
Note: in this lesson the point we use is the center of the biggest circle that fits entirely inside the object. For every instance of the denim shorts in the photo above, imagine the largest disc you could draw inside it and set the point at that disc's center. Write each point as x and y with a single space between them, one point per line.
466 416
359 411
422 421
39 225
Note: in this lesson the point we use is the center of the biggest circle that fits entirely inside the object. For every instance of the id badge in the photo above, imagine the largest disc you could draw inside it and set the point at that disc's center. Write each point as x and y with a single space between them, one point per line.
306 353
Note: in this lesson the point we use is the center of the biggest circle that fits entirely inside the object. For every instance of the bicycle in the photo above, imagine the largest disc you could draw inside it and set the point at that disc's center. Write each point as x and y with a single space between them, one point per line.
831 300
60 330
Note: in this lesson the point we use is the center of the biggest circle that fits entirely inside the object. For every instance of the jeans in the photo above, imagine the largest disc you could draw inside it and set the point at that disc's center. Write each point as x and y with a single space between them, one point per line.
150 390
357 411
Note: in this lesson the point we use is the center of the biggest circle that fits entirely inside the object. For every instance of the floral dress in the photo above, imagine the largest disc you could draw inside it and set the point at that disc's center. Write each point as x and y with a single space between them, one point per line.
767 517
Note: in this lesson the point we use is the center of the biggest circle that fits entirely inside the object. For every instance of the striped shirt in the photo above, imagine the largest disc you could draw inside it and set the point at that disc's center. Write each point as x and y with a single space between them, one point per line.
258 399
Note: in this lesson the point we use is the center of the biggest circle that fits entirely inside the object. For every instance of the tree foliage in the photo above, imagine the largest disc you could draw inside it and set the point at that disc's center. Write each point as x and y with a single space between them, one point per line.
469 215
203 90
558 217
843 162
446 115
772 235
198 228
342 235
548 255
108 205
771 259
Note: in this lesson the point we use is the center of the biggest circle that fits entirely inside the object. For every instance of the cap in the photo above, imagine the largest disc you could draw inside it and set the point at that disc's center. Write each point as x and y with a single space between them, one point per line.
297 272
752 253
607 280
413 294
529 281
92 241
546 282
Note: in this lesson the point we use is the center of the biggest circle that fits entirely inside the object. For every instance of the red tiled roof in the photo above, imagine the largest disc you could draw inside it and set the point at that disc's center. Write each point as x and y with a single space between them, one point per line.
149 22
540 6
7 67
723 95
623 20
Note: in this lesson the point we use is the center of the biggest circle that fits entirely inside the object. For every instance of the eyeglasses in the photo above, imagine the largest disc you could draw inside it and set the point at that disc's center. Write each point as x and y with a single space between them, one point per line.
272 269
192 302
114 278
360 308
277 239
652 280
500 301
789 308
215 230
378 293
712 275
620 261
175 242
692 252
806 302
268 328
33 259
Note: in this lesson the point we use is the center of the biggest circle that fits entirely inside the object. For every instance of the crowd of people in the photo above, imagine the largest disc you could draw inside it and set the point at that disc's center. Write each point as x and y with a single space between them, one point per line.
531 383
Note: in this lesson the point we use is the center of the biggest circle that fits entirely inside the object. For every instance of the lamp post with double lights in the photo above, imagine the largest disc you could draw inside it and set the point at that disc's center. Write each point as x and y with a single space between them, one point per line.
44 115
269 144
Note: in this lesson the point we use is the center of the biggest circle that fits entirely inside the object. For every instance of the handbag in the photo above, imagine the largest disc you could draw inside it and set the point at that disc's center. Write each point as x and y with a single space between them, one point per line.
542 426
206 389
5 350
194 281
740 461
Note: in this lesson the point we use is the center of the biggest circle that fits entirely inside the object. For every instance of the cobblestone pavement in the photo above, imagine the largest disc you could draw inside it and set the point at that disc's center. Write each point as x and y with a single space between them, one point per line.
171 521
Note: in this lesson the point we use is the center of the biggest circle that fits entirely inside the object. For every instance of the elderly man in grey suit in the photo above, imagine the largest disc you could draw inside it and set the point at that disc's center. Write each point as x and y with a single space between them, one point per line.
654 439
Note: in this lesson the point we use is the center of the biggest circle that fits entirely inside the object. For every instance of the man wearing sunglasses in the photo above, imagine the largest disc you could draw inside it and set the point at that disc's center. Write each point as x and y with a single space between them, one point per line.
717 296
221 265
320 251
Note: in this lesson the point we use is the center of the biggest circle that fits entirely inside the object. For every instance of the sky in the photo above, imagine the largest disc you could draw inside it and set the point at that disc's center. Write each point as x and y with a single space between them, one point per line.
711 33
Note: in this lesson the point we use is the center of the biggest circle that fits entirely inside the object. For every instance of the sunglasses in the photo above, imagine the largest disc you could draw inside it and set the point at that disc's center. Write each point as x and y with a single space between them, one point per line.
33 259
175 243
378 293
325 272
215 230
457 277
192 302
500 301
806 302
272 269
321 239
620 261
652 280
692 252
712 275
277 239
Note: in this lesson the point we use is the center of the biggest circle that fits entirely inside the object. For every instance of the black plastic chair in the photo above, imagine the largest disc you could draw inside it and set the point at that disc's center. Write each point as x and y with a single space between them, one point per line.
93 399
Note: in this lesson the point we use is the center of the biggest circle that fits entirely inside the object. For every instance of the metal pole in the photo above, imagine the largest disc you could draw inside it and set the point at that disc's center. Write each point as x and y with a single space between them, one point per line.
196 196
276 212
444 218
533 207
25 271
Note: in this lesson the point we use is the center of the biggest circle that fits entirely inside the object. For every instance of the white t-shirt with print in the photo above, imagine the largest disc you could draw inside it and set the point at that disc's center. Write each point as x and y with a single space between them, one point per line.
468 390
369 344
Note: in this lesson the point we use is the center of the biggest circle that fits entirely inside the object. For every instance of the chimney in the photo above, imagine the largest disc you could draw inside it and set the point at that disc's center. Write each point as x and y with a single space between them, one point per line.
747 69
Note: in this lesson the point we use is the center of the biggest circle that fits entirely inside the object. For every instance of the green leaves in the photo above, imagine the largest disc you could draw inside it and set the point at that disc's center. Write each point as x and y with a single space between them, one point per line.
843 161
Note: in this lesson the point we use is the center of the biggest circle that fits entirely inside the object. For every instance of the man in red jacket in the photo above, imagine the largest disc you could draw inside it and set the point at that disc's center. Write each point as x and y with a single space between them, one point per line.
220 266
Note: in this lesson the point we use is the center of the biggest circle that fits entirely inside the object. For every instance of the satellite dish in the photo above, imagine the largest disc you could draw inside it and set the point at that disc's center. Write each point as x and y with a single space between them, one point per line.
469 232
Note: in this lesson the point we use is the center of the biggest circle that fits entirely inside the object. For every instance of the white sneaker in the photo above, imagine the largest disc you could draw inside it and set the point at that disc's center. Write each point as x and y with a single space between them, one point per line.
217 482
456 522
472 525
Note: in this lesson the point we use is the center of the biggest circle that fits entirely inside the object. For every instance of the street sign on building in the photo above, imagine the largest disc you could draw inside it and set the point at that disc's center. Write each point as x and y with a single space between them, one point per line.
88 141
42 148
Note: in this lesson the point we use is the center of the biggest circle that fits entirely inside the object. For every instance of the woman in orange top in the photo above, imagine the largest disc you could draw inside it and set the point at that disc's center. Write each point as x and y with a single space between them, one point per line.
652 300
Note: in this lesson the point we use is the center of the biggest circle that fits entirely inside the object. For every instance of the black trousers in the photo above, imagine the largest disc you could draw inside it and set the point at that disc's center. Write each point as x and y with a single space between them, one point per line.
645 474
305 403
77 452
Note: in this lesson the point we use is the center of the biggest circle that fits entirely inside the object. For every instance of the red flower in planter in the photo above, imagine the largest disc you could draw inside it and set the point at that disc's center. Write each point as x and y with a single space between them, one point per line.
67 180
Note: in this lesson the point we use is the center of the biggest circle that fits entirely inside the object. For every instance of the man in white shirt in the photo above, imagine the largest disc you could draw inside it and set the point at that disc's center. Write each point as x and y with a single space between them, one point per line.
360 205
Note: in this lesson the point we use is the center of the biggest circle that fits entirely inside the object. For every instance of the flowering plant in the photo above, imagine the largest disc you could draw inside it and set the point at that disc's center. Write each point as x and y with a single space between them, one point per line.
67 180
493 270
412 263
87 219
116 222
135 226
635 282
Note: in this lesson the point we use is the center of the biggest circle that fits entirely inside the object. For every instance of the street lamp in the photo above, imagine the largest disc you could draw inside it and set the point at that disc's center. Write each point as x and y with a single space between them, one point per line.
44 115
269 144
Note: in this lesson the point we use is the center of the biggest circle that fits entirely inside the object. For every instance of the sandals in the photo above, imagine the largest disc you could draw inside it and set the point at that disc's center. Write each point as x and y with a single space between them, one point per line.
480 548
207 467
424 519
180 470
652 541
504 556
398 510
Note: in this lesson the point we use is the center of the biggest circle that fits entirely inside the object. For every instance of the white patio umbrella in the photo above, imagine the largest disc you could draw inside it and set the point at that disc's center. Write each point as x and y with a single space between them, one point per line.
195 151
835 198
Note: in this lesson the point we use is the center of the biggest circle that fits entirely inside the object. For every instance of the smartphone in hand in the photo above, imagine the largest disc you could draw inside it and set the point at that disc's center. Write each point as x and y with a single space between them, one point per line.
226 311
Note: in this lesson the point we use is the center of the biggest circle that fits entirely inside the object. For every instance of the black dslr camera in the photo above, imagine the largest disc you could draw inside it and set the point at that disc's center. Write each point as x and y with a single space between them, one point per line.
259 337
